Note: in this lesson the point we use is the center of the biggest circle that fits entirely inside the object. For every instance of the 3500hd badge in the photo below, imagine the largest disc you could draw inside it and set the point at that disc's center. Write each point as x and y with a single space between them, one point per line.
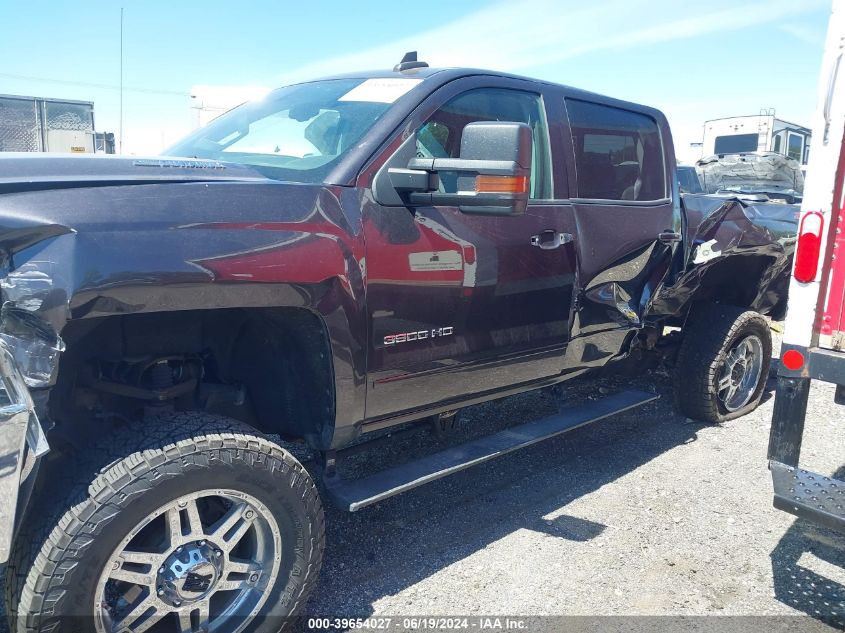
419 335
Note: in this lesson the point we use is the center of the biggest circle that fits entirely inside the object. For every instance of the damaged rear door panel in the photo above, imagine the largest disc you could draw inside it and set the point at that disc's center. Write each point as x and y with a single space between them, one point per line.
621 170
645 254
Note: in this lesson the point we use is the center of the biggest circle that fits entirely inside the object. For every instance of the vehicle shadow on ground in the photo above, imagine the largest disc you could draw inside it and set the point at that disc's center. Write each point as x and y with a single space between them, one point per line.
805 589
384 549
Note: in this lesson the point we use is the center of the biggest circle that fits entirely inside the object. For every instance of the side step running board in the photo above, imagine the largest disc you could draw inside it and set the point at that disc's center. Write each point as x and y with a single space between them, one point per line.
359 493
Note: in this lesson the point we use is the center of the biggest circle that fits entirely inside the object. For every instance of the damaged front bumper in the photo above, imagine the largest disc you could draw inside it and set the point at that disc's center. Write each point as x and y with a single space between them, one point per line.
22 442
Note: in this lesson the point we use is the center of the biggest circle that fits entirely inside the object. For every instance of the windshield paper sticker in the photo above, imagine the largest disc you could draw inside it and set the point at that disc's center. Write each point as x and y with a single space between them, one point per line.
384 90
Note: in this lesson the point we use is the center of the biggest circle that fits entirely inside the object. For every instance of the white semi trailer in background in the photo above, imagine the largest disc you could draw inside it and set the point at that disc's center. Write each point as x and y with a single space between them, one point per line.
36 124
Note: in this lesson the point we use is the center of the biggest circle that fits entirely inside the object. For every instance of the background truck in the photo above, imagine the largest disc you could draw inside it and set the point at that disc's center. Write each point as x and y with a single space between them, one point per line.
343 257
755 176
814 336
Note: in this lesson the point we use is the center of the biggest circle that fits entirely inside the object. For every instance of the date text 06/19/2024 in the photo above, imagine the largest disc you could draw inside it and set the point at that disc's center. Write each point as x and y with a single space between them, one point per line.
420 623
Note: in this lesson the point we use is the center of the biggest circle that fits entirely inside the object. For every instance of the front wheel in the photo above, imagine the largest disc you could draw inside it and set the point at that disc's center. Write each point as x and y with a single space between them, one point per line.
723 364
220 530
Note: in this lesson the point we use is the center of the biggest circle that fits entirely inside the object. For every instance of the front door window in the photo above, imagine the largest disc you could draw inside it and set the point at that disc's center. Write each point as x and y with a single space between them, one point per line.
440 136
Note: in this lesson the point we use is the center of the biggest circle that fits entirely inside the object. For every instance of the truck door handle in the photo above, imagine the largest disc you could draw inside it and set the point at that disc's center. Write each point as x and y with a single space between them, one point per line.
669 236
547 240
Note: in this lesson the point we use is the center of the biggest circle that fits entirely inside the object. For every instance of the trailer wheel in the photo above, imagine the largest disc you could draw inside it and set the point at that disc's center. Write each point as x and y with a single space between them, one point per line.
723 363
187 522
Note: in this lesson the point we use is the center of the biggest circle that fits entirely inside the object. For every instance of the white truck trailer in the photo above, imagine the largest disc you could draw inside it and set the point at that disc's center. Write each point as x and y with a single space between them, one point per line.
36 124
814 339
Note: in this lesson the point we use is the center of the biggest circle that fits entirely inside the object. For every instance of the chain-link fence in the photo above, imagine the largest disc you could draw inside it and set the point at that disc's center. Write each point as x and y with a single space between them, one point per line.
69 116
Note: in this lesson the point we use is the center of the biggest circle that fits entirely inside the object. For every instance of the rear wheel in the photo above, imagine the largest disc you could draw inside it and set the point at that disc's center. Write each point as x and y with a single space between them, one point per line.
723 364
191 522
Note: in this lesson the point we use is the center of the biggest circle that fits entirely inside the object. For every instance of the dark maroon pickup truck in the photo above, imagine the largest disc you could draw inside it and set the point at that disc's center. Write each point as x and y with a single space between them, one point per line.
340 257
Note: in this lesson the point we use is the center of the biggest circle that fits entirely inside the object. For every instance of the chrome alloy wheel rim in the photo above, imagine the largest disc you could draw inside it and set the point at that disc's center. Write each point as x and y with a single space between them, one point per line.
206 561
740 373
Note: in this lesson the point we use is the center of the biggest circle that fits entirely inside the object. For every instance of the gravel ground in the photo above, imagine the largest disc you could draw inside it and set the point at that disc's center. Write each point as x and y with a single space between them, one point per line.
645 513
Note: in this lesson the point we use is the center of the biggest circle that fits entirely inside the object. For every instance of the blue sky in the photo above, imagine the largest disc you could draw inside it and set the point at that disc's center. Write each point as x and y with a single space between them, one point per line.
693 60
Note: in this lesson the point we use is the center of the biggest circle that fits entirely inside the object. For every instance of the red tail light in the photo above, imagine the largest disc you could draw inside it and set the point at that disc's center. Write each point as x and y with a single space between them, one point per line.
809 246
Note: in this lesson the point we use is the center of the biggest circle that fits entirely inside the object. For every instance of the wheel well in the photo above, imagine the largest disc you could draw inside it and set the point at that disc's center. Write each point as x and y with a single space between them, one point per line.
269 367
742 281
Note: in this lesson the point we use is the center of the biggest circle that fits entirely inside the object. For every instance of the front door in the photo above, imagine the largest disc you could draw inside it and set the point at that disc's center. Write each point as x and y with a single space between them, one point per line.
461 305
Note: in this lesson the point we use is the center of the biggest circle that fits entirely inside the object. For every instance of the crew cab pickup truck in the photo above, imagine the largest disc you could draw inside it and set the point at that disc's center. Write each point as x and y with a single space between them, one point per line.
340 257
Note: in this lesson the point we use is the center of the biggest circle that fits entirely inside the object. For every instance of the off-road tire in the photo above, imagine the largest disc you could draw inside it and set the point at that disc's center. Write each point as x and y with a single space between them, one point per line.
86 499
710 333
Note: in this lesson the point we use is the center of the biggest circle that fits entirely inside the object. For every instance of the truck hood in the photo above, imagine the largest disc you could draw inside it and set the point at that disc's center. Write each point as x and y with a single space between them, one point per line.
757 171
31 171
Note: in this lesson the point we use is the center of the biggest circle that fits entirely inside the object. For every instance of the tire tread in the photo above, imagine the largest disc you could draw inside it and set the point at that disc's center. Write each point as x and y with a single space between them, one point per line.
706 339
59 517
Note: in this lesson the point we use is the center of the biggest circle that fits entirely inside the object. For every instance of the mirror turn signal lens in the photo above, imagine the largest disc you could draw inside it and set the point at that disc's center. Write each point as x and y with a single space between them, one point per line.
501 184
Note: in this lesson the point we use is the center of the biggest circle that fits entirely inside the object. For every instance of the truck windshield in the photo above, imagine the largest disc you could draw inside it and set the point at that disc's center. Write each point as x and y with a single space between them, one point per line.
295 133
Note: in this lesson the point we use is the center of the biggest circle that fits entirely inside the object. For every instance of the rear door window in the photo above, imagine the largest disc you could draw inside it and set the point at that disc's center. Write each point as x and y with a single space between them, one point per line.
618 153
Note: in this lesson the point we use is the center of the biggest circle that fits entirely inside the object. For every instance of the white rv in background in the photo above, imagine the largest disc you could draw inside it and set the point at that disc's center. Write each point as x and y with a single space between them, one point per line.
762 132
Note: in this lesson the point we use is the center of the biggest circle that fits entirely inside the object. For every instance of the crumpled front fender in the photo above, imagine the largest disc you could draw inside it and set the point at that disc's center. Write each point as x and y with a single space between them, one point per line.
121 250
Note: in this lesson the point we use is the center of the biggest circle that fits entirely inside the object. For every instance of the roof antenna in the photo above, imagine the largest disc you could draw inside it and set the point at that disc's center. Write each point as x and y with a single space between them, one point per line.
409 62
